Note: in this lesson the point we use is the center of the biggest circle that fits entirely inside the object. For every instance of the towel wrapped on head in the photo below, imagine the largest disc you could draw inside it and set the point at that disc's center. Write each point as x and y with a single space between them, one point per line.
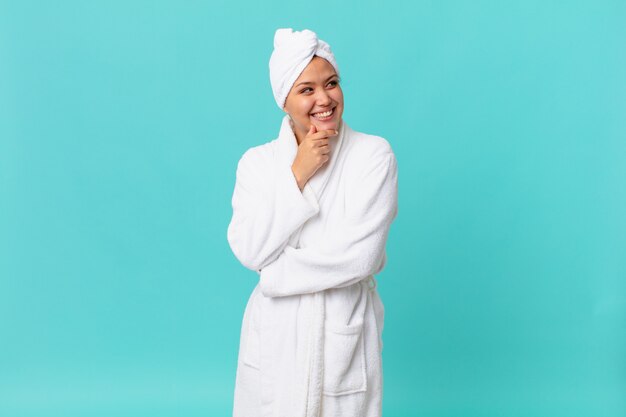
292 53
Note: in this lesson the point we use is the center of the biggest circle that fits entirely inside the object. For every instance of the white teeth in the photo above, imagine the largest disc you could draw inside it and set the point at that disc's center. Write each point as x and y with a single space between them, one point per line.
325 114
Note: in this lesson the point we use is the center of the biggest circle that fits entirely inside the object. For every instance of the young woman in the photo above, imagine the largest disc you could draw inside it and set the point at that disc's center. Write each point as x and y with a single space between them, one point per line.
311 215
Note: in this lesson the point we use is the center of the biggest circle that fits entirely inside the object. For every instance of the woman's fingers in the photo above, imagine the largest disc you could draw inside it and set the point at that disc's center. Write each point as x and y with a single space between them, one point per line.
321 134
320 142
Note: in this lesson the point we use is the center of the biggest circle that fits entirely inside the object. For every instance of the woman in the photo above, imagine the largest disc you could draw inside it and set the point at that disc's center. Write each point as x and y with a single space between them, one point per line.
311 214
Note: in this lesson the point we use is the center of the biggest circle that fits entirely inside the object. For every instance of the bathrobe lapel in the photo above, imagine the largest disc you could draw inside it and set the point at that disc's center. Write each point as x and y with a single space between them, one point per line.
308 375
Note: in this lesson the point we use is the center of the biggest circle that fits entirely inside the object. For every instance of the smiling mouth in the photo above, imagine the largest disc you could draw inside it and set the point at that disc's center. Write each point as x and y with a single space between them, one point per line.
324 115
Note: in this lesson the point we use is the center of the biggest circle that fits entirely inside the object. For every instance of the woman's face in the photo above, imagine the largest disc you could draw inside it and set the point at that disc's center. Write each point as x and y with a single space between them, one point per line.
316 90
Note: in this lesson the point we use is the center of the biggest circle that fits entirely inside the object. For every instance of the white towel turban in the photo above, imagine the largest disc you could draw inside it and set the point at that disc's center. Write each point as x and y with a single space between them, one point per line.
292 53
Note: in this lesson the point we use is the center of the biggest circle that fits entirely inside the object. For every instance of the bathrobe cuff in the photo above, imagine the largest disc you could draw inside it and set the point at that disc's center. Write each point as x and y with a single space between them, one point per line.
304 202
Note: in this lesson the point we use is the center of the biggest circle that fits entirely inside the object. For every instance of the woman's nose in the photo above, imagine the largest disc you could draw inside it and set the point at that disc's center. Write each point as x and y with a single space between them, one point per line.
323 98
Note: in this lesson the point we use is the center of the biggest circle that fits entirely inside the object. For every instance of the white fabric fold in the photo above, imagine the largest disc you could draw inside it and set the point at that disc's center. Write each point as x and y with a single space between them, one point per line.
293 50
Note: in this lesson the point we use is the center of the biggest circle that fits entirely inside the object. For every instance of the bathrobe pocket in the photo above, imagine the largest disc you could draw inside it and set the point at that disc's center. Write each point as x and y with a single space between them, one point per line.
344 359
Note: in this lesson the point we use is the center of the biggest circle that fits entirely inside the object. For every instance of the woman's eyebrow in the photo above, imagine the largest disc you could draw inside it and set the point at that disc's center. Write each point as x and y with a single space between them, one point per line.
311 82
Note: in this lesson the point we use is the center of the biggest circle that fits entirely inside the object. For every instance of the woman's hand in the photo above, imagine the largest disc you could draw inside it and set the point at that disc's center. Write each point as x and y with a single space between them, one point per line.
313 152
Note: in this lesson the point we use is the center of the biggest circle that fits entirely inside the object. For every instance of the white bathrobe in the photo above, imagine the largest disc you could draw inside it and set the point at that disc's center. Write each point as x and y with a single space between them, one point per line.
311 338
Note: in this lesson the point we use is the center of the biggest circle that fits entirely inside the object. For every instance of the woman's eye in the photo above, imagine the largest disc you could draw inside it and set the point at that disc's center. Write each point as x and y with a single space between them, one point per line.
305 90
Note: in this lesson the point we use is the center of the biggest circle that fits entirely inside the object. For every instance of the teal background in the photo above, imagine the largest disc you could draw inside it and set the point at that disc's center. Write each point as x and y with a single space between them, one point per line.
121 124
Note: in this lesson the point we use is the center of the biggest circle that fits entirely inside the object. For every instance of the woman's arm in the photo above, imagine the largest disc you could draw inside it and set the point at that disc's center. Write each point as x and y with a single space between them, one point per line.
357 247
268 207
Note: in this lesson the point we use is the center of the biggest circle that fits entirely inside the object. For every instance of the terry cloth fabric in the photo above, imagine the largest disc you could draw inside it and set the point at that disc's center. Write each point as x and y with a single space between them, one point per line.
311 337
292 53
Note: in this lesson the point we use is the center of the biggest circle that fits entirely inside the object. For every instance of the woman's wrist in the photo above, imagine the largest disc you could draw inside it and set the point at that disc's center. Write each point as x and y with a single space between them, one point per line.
299 180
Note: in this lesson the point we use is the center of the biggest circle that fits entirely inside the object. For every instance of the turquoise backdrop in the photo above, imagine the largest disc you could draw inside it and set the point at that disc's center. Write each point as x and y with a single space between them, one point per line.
121 124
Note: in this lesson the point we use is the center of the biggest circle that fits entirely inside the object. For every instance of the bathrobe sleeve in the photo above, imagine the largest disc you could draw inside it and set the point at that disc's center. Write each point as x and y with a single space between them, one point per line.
356 247
268 207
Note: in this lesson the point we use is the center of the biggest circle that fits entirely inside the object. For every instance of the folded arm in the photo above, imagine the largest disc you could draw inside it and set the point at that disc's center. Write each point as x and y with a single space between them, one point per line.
268 207
356 247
